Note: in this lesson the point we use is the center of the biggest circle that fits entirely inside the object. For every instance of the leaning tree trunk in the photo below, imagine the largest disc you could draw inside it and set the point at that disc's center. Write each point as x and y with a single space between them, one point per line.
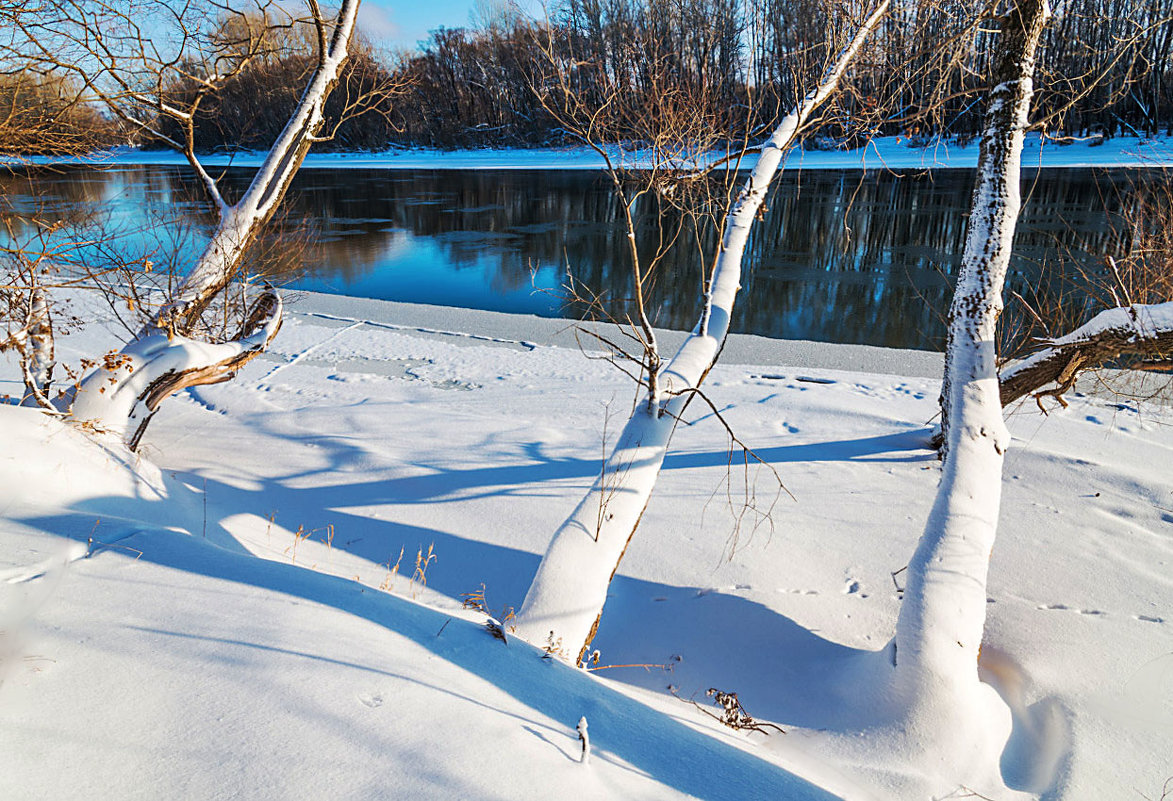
1140 330
37 359
942 616
123 393
565 599
155 367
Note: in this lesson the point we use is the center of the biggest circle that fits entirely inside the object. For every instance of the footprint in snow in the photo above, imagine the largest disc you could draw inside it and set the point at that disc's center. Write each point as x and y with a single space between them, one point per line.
1066 608
374 701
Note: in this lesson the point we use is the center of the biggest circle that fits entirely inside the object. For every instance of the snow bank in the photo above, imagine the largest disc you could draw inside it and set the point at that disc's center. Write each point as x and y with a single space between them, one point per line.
893 153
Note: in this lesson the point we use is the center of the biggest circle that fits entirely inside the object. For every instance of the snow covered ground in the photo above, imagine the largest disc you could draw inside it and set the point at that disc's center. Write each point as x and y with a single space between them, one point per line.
891 153
227 615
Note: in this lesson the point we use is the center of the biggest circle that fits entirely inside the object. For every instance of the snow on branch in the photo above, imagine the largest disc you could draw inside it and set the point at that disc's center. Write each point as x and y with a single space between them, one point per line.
152 368
1139 330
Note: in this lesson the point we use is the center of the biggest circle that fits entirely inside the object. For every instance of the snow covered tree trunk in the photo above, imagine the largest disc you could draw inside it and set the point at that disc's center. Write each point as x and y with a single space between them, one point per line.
1137 330
942 616
128 388
37 359
122 394
562 608
240 224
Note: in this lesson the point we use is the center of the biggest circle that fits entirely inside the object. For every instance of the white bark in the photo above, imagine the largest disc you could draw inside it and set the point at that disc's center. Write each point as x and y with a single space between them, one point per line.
239 224
37 358
585 739
566 597
942 616
113 396
122 396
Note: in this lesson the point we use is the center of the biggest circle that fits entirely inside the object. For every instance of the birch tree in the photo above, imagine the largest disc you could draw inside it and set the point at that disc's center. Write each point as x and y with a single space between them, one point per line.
118 52
942 616
566 598
24 306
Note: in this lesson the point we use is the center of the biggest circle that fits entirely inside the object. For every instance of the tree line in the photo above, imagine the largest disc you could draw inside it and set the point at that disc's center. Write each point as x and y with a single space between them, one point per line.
1104 69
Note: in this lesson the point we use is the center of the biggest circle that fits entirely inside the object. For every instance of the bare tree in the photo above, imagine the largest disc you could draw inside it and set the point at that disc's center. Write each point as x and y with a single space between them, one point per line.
566 598
42 115
24 307
133 70
45 115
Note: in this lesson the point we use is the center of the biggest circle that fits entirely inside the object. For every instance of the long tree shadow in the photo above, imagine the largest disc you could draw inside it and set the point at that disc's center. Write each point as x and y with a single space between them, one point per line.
797 675
764 650
666 749
441 482
463 563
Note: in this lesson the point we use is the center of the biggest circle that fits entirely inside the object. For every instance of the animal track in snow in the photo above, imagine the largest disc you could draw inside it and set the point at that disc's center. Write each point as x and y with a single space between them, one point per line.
373 700
1066 608
196 395
1096 612
517 344
905 389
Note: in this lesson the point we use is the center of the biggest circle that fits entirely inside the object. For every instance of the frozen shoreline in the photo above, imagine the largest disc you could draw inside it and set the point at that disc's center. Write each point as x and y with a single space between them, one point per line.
892 153
473 326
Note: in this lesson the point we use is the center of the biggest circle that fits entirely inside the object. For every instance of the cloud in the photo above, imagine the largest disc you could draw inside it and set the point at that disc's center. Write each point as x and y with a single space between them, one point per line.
376 23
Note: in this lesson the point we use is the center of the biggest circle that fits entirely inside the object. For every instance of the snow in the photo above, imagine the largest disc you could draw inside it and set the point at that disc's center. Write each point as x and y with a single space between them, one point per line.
226 635
891 152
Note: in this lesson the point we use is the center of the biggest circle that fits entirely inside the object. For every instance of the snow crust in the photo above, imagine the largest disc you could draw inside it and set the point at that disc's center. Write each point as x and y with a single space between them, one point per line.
889 152
227 635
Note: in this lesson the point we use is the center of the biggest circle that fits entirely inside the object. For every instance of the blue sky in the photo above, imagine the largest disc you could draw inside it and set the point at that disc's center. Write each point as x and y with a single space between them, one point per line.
402 23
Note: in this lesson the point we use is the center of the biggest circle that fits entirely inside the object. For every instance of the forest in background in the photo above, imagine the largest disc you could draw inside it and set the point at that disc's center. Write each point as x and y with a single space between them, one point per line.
1105 70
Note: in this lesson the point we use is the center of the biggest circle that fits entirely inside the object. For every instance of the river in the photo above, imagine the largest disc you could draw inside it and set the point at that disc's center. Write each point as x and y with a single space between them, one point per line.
839 256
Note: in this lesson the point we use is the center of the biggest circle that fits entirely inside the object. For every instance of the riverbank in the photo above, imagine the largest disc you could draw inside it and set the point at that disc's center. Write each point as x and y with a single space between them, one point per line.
240 609
476 327
883 153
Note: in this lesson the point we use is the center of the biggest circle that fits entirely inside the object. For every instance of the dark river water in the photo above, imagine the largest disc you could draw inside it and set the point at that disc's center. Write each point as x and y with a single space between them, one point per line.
839 256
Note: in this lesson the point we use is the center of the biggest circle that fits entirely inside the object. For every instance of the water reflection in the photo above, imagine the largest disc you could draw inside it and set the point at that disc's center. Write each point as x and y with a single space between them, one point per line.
838 257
